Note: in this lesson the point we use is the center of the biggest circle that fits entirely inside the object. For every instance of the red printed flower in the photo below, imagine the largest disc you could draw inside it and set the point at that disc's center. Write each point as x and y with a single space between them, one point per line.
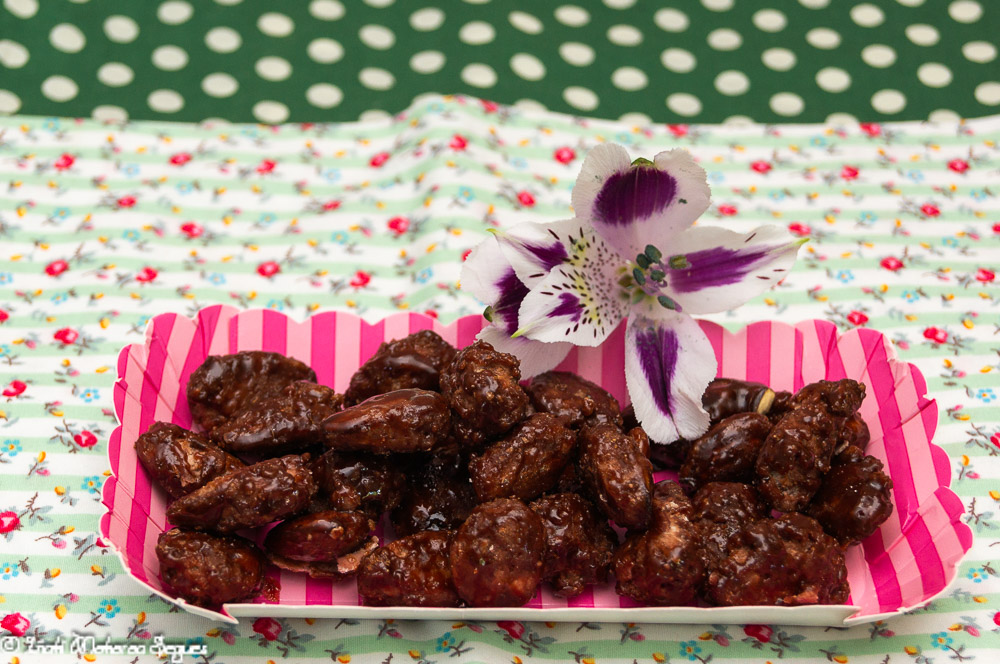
398 225
958 165
146 275
760 632
515 629
9 521
360 279
331 205
15 623
871 128
678 130
996 228
936 334
995 439
728 210
892 263
192 230
996 618
857 318
3 316
802 230
489 106
564 155
465 254
65 161
85 439
985 276
268 269
180 158
849 173
458 142
269 628
760 166
930 209
67 335
16 388
525 198
378 160
55 268
126 202
266 166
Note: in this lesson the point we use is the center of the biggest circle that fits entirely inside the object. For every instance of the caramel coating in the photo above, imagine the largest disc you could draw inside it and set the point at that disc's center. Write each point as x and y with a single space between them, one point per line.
727 452
854 499
441 497
525 463
579 543
226 384
410 571
414 362
287 423
318 537
179 460
788 561
572 399
400 421
663 566
853 433
208 570
481 386
358 482
842 398
664 456
617 476
247 497
721 509
782 404
795 456
497 554
725 397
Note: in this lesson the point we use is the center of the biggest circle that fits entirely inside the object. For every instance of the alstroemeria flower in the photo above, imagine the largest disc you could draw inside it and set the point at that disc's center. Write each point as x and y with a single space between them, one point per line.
630 252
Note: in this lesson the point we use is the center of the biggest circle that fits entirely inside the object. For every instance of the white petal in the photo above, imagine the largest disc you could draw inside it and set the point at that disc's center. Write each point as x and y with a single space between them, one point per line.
536 356
601 163
487 275
533 249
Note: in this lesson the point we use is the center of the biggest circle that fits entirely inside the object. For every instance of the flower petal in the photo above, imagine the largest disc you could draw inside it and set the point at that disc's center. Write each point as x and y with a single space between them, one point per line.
533 249
488 275
668 364
536 356
580 300
633 206
723 269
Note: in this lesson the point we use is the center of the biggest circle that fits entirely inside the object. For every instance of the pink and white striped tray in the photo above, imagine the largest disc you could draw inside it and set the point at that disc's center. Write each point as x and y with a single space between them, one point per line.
911 559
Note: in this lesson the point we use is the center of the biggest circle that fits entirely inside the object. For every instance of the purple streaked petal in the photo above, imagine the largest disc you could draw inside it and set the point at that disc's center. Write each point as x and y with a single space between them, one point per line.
634 195
533 249
512 293
488 275
569 306
535 356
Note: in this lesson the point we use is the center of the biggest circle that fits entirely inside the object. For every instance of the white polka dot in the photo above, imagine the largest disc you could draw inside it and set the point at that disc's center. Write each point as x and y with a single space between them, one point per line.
910 3
121 29
573 16
823 38
477 32
629 78
527 67
12 54
324 95
67 38
529 105
59 88
814 4
108 113
79 2
228 2
717 5
580 98
525 22
273 68
378 37
427 62
170 58
326 10
376 78
427 19
274 24
479 75
684 104
21 9
778 59
741 121
223 40
988 93
732 82
374 115
165 101
979 51
888 101
965 11
9 102
922 35
576 53
878 55
174 12
270 112
833 79
724 39
787 104
115 74
867 15
944 115
636 119
379 3
770 20
325 50
678 60
619 4
840 119
624 35
671 20
219 84
934 74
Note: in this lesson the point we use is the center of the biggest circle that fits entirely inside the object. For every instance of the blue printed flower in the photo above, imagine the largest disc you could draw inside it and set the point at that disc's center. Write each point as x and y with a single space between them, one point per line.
194 642
6 278
915 174
910 296
716 177
51 124
90 394
4 350
131 235
340 237
277 305
8 571
941 640
868 217
60 213
424 275
623 137
92 484
331 174
267 218
445 642
216 278
979 194
777 195
844 276
108 608
59 298
12 447
986 394
185 188
519 163
690 649
976 574
466 194
131 170
143 320
949 241
817 141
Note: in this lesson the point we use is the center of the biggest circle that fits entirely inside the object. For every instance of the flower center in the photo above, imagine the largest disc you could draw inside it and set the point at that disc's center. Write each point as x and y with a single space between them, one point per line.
647 277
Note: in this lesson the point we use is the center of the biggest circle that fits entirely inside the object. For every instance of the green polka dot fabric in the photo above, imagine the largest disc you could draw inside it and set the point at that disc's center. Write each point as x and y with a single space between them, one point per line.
336 60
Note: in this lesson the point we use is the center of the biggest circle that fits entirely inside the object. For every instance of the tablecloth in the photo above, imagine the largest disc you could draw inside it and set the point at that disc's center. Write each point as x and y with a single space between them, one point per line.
104 225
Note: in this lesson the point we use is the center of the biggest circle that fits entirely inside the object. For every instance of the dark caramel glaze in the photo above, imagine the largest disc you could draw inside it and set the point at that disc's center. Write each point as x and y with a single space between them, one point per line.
400 421
663 566
287 423
854 499
345 566
247 497
319 537
179 460
795 456
725 397
526 463
226 384
349 481
572 399
440 497
497 554
788 561
842 398
414 362
209 570
727 452
410 571
579 543
721 509
853 433
617 477
481 386
782 404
